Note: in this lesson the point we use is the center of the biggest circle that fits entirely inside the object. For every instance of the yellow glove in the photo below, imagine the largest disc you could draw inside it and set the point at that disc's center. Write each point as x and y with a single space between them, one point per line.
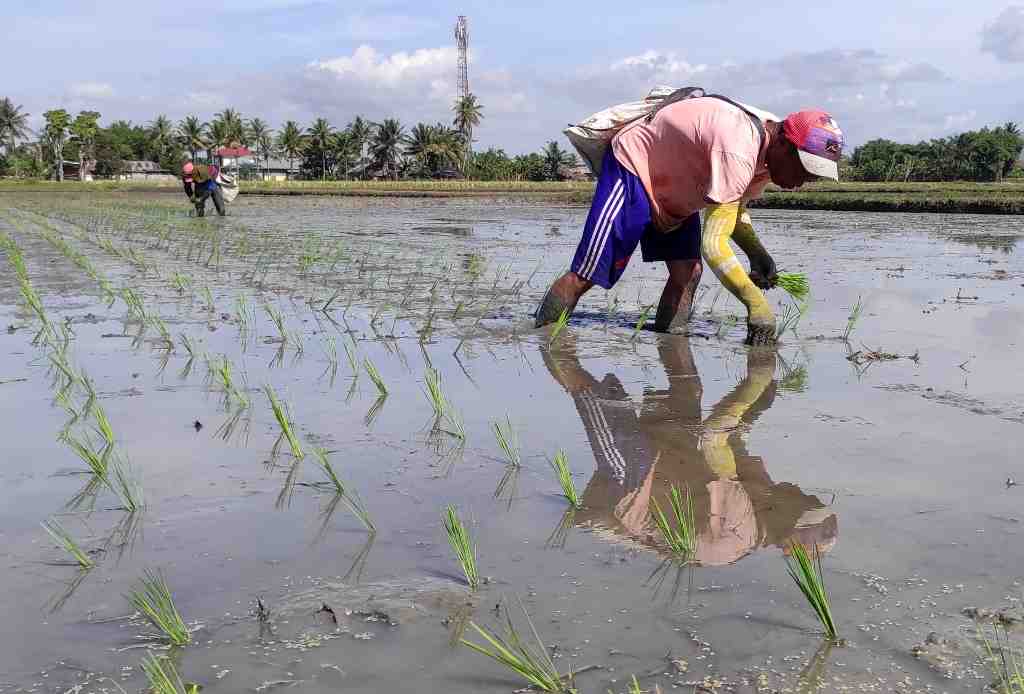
719 224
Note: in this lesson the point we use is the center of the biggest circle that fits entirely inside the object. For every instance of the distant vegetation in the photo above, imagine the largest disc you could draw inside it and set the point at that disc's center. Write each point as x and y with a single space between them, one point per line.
361 150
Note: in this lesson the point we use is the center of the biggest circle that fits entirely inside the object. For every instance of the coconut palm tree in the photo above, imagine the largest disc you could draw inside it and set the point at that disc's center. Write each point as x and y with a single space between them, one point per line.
433 146
220 136
234 127
84 130
319 137
13 124
468 114
359 131
161 133
192 132
386 146
291 142
261 138
56 134
554 159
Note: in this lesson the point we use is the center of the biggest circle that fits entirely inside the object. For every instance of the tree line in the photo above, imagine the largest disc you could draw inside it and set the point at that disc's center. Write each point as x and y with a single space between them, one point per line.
320 151
989 154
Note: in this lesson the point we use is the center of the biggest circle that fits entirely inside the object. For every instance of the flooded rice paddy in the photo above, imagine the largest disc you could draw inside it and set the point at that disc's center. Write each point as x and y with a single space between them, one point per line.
896 451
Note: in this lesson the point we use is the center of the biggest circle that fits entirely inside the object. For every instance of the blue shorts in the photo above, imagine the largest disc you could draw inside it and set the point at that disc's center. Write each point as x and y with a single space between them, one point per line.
619 219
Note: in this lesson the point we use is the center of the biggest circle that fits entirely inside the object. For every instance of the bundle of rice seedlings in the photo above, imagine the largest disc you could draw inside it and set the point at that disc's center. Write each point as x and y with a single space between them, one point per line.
164 678
281 414
508 441
560 464
531 662
809 579
371 370
64 540
681 538
462 544
154 601
795 284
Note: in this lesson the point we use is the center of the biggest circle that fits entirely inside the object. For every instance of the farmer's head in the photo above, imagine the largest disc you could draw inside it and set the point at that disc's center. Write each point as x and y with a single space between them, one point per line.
808 149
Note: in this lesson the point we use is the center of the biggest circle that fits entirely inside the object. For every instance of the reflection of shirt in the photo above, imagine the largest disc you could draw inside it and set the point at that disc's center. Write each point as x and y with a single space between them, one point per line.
691 153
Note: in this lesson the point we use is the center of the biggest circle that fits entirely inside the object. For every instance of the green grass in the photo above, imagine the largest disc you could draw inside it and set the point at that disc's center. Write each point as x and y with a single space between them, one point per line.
374 375
154 601
64 540
463 546
532 662
352 500
560 464
163 677
795 284
283 417
853 319
680 535
809 579
508 441
559 326
1005 661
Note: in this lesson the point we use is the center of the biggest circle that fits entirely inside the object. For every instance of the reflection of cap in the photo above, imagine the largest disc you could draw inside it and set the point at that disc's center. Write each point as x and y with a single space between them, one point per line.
818 140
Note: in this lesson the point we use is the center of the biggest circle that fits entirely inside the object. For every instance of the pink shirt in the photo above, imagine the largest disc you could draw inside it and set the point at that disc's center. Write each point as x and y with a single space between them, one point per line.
694 153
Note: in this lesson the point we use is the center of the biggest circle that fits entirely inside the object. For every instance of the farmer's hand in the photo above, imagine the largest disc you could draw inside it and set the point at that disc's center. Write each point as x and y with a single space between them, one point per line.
762 271
761 326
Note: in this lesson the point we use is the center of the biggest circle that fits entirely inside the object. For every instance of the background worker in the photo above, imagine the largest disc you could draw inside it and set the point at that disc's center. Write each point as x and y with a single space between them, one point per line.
705 153
200 182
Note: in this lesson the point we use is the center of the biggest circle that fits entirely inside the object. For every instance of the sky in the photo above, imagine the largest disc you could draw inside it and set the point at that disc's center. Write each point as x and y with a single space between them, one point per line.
906 70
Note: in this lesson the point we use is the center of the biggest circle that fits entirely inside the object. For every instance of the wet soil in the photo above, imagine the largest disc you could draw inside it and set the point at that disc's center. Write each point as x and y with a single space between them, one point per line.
899 470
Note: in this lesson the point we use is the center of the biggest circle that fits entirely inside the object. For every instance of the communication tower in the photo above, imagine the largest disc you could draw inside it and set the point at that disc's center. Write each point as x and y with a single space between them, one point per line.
462 42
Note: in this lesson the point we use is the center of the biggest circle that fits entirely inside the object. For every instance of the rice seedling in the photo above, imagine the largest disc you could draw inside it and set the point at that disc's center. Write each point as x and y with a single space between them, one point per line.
181 283
331 352
681 537
189 344
1005 661
532 662
454 425
97 461
222 369
208 298
374 375
351 499
795 284
122 480
807 575
66 370
136 309
645 313
103 426
508 441
164 678
559 326
165 333
353 363
853 319
64 540
282 415
154 601
790 317
463 546
560 464
277 318
432 379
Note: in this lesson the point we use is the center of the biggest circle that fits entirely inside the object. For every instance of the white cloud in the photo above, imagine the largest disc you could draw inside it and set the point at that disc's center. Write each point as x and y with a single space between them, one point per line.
397 70
92 90
1003 37
960 121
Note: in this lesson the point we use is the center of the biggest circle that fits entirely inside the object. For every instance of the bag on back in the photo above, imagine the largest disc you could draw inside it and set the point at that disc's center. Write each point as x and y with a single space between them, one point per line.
592 136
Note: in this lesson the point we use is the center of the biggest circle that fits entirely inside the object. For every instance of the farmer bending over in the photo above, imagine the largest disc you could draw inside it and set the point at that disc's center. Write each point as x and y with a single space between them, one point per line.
200 181
703 153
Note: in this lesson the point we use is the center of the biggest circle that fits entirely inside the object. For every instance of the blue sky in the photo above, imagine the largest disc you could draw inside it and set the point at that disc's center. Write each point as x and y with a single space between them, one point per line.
907 70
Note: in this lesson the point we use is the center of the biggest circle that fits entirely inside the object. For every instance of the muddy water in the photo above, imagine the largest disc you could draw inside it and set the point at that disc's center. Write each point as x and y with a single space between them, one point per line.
898 469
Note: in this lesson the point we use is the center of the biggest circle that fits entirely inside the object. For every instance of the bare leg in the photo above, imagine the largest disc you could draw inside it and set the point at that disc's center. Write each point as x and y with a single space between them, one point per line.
562 296
677 297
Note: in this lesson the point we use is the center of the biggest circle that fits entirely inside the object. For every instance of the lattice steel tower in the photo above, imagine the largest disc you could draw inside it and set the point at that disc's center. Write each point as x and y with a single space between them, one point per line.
462 42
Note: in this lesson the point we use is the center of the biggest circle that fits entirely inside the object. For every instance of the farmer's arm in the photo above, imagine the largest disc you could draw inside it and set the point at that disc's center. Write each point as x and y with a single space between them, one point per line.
762 267
720 223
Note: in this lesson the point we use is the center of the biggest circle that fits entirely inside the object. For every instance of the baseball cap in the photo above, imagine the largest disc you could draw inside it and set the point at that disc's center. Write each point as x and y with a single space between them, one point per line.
187 168
818 140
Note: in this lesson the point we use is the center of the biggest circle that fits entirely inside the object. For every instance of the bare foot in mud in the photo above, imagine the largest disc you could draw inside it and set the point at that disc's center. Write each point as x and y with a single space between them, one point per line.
563 295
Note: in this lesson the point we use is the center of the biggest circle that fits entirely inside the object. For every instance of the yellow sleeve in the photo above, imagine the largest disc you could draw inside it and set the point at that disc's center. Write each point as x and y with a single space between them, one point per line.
720 222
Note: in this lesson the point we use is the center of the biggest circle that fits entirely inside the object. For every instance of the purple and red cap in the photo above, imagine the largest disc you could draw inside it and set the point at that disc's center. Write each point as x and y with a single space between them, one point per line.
818 139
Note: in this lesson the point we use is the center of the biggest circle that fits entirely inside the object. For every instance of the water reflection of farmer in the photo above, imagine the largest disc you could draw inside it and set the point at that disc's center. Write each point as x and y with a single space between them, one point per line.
200 182
737 505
